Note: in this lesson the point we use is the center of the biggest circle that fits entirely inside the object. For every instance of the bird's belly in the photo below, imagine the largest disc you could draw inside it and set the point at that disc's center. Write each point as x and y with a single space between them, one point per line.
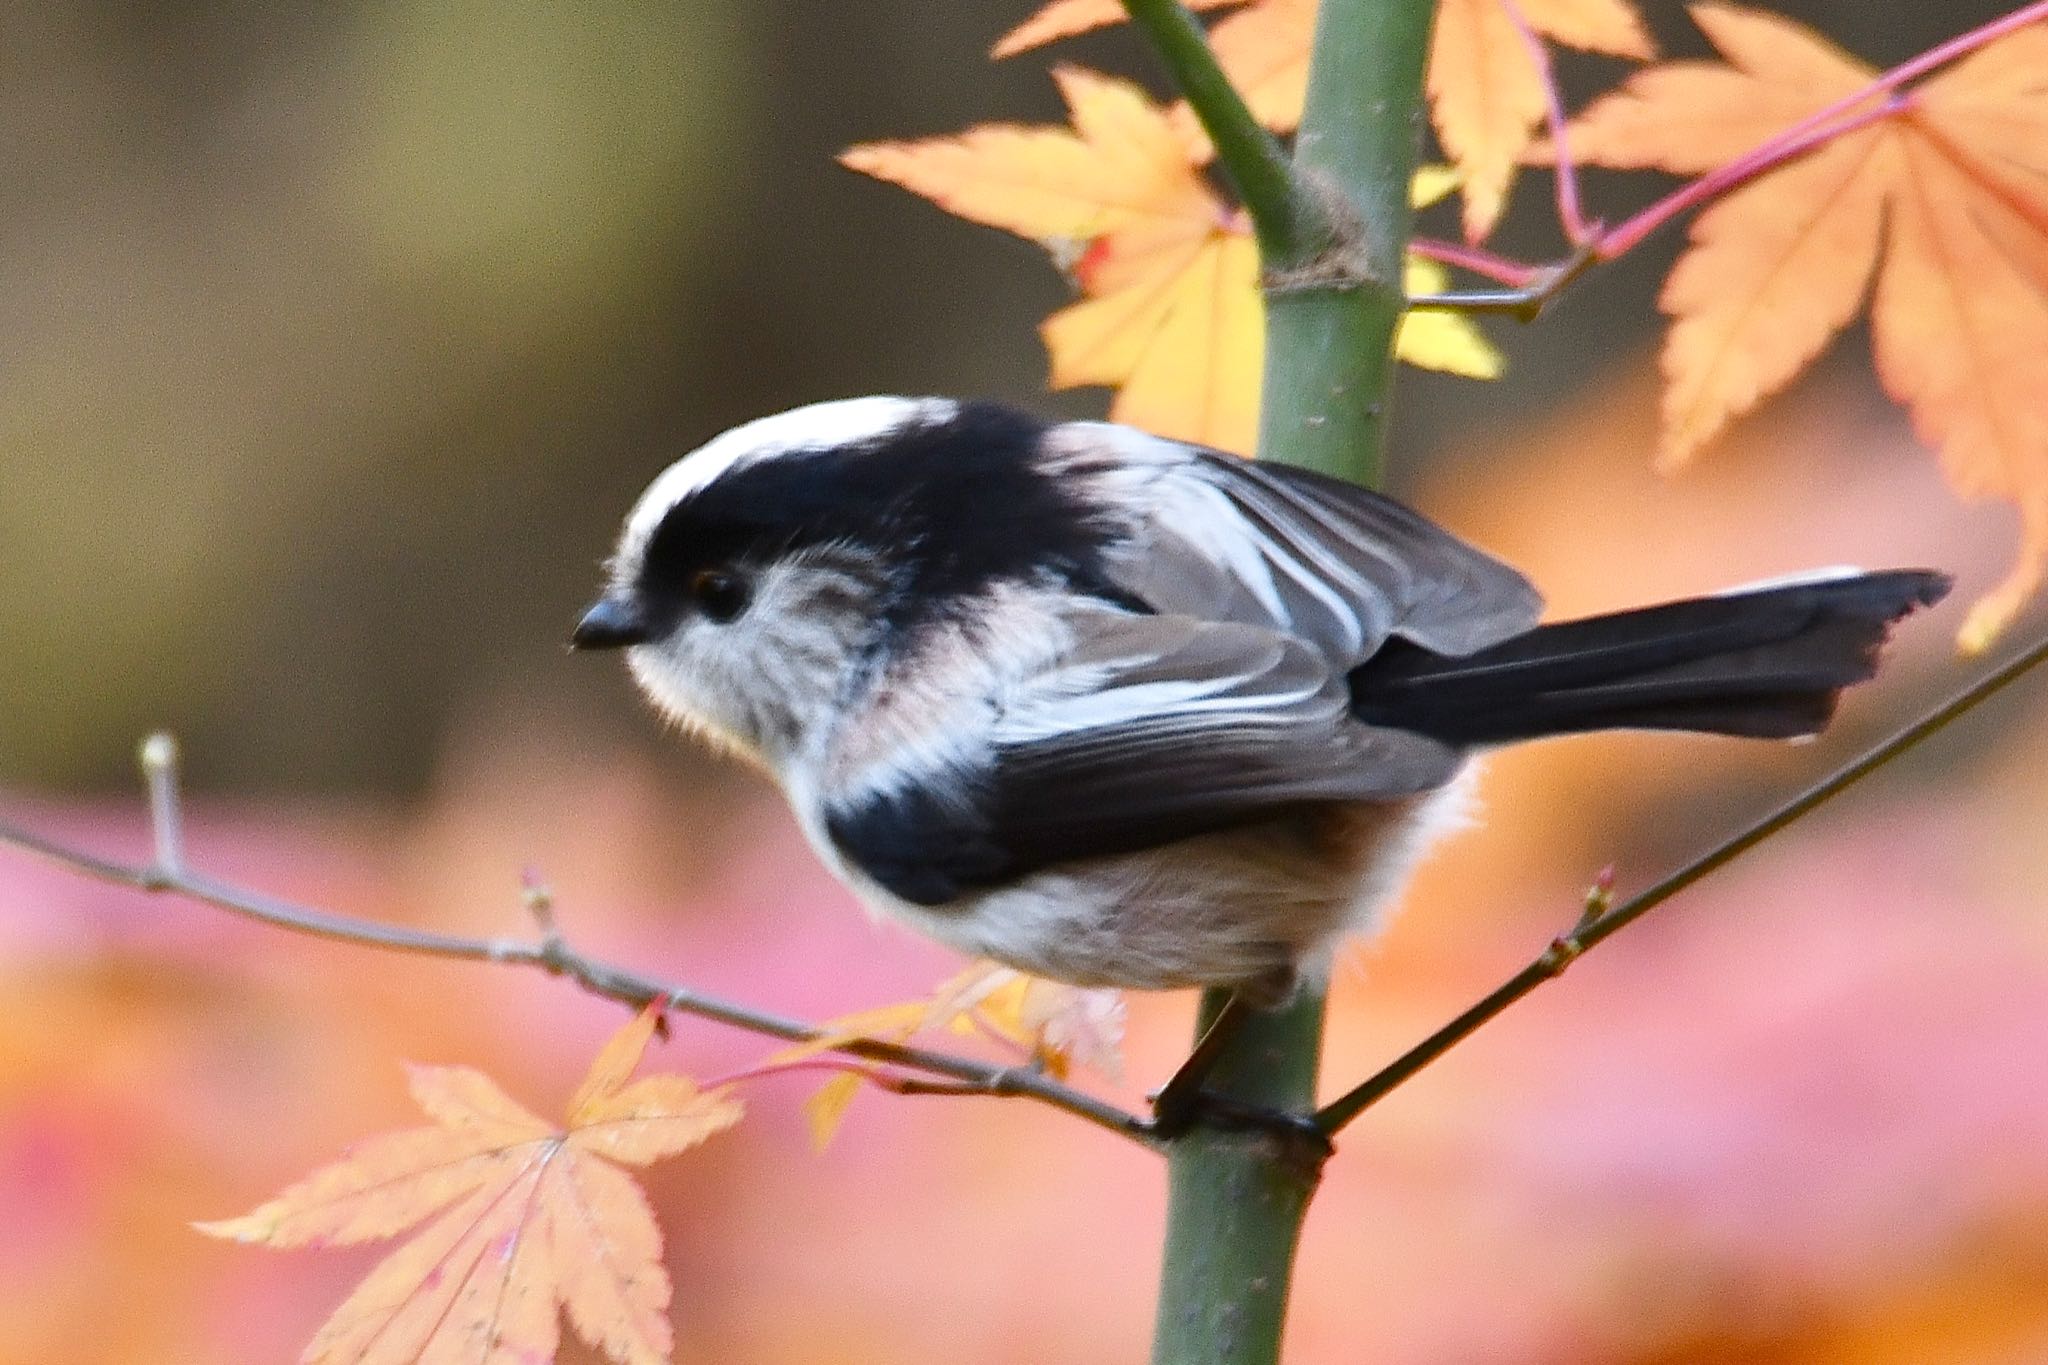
1250 908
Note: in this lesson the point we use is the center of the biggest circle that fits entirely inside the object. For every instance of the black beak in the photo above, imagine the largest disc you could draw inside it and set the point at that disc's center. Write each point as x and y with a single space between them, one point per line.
611 623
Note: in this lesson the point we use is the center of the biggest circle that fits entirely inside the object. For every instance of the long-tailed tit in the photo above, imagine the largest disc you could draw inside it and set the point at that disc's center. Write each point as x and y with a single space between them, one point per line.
1124 711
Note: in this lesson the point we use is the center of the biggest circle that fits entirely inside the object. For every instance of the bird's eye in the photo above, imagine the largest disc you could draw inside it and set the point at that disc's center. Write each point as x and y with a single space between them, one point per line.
719 595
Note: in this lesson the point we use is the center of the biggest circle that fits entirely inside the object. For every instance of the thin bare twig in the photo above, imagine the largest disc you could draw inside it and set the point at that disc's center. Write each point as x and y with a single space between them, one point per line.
168 874
1525 301
1600 919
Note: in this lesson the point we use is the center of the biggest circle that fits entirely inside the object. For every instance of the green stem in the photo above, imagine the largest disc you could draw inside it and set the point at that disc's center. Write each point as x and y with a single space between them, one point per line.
1330 318
1236 1199
1248 154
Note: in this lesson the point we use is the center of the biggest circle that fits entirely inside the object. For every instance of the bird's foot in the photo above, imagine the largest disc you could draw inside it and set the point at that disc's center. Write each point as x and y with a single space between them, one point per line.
1175 1113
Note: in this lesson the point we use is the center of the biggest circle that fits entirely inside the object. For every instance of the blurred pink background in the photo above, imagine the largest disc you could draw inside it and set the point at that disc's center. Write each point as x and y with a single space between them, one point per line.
1800 1113
338 339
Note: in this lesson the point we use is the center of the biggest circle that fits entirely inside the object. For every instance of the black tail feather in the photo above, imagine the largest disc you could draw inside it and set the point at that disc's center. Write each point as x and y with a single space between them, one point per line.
1768 663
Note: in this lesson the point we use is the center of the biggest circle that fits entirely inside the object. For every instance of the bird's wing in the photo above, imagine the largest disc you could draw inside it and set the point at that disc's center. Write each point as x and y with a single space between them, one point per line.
1228 539
1149 730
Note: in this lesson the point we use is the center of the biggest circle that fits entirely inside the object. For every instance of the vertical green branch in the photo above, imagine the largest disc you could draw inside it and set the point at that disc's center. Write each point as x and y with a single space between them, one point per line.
1332 234
1235 1199
1331 312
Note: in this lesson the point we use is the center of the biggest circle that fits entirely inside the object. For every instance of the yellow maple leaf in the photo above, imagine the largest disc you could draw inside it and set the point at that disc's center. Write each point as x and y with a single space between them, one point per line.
1437 339
1060 1026
825 1110
1171 316
1944 201
524 1220
1119 169
882 1024
1065 18
1486 91
1181 344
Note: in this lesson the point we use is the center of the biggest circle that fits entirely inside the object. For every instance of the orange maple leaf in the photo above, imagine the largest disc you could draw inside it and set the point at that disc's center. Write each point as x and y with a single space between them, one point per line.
1057 1025
1170 315
529 1220
1486 91
1944 200
1065 18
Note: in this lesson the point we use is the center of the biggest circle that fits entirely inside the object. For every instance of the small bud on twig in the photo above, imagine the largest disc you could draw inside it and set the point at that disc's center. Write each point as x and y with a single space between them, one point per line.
158 756
1599 898
539 898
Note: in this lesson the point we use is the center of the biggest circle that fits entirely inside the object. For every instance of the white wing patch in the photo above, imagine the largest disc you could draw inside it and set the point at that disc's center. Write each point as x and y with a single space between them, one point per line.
1221 539
1175 687
1833 573
1171 673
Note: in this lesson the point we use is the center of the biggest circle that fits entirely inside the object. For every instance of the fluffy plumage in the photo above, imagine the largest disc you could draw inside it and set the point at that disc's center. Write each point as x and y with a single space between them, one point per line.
1125 711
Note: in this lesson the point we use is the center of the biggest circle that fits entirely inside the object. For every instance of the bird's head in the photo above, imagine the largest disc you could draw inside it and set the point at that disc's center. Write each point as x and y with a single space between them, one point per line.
764 577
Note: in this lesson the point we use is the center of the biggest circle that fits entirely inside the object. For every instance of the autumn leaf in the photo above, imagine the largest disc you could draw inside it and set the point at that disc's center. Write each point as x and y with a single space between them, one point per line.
1181 345
1065 18
1944 201
1690 117
1119 169
1439 339
1486 91
1170 315
1058 1026
528 1220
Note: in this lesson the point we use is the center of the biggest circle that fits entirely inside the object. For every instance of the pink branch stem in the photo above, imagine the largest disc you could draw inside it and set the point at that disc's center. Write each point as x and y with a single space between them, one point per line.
1500 269
999 1082
1628 235
1823 125
836 1065
1565 173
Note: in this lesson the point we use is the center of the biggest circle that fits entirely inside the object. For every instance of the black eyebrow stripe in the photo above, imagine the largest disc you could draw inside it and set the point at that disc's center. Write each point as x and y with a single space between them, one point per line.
957 504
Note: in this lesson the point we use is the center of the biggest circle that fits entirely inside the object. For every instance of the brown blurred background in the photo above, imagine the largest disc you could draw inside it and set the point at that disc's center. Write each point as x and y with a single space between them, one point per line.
337 338
336 341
